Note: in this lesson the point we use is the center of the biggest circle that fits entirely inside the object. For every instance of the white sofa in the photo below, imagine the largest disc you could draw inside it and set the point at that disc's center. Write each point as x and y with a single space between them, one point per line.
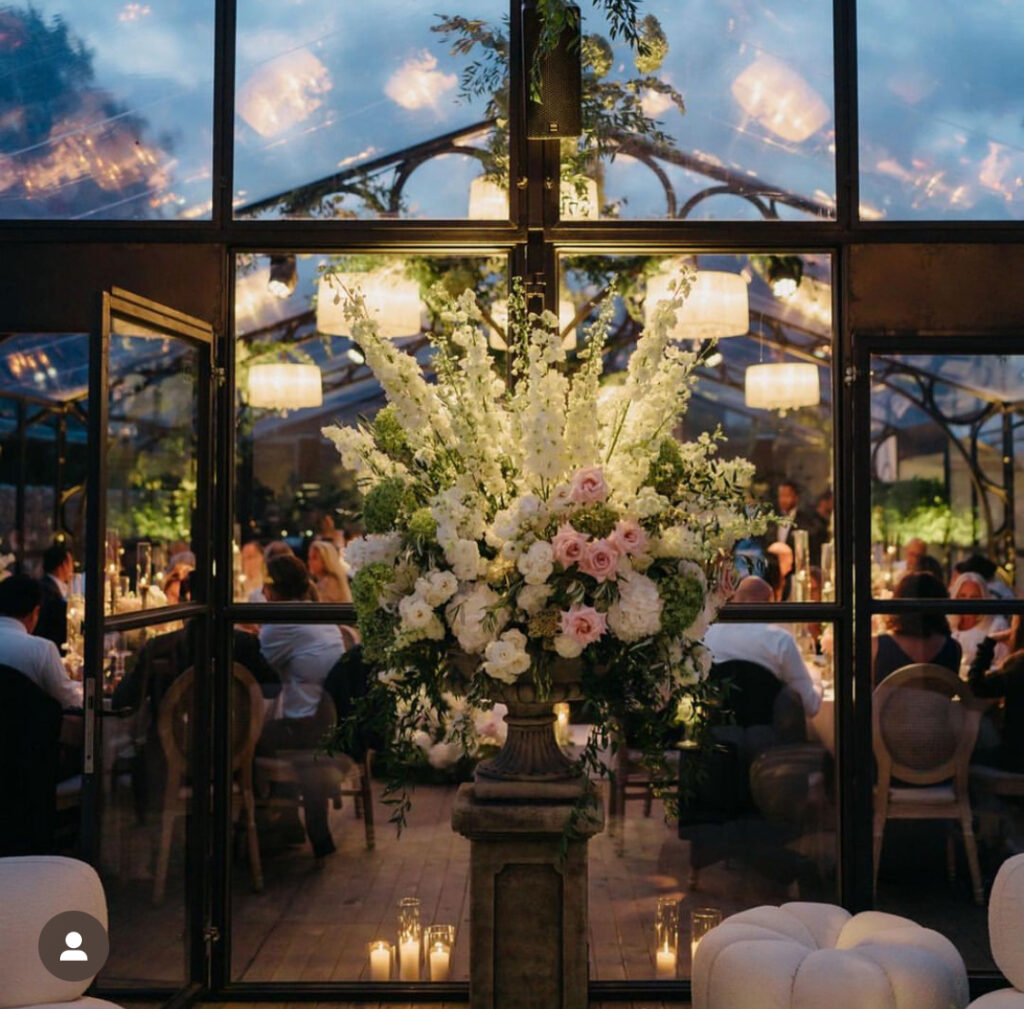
1006 935
33 889
818 956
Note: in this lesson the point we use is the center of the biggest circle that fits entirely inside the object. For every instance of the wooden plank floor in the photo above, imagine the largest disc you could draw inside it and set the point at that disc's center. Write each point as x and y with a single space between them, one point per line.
313 926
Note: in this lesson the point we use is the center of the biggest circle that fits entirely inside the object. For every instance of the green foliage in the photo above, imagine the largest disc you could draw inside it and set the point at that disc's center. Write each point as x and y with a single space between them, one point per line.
668 468
367 586
653 46
919 508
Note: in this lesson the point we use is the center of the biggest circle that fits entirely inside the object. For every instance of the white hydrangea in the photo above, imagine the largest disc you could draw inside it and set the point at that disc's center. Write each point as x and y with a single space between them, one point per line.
533 598
507 659
464 557
636 614
677 541
375 548
537 564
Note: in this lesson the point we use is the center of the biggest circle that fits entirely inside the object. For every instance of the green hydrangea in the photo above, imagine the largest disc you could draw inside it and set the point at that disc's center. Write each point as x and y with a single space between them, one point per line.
683 598
367 586
598 520
389 436
422 526
383 505
667 470
377 632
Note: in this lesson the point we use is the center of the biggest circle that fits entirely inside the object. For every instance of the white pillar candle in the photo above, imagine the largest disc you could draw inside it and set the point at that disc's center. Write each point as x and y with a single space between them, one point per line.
666 963
694 943
409 960
380 961
439 958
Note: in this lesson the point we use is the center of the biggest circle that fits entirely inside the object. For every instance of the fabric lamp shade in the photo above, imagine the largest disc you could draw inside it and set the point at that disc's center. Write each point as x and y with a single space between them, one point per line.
780 99
717 305
284 385
392 299
783 386
488 201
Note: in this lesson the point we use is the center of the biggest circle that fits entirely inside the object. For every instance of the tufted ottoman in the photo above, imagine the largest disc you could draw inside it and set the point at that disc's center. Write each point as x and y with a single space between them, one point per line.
816 956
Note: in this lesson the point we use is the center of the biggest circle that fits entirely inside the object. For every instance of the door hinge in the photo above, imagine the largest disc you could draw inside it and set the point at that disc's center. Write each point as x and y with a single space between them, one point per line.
211 934
220 376
850 376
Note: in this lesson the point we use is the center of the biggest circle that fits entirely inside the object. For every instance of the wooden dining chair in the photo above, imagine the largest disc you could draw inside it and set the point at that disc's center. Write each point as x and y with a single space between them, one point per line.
175 719
925 722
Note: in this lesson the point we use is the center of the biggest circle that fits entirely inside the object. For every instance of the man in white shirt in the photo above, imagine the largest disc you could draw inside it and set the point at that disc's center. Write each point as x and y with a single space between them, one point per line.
37 658
768 645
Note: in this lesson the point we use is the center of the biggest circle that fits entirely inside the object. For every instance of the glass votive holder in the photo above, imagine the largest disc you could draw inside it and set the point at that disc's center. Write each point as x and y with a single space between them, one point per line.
438 943
702 921
410 932
381 954
666 934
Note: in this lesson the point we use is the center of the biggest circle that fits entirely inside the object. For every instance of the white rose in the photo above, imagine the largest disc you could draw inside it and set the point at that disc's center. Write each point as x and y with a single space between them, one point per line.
464 557
437 587
637 612
537 563
568 648
373 549
533 598
415 612
474 619
507 658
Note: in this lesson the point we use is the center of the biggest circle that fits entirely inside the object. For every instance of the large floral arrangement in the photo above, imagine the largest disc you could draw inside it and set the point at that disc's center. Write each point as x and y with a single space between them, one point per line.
520 518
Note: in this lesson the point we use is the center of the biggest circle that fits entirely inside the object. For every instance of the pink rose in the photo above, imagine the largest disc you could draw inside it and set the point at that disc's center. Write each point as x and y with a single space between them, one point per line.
568 545
583 624
588 485
628 537
600 560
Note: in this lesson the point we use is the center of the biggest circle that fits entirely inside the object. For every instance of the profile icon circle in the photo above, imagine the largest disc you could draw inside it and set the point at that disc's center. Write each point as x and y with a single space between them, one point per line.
73 946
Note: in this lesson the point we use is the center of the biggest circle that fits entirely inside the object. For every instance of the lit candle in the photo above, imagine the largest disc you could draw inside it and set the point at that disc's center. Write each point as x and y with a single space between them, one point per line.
694 943
666 962
439 958
409 960
380 960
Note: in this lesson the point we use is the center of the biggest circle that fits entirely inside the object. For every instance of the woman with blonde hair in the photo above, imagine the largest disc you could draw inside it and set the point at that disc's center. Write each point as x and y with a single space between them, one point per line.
327 573
970 629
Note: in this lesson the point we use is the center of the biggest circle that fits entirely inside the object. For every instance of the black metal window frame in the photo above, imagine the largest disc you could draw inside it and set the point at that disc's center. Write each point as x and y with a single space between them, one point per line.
534 238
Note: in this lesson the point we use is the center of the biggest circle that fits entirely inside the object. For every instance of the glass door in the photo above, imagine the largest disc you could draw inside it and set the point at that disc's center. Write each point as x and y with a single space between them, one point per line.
143 643
940 534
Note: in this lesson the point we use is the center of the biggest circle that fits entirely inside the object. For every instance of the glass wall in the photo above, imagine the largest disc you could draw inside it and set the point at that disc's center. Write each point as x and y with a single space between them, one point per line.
940 137
728 116
353 112
106 110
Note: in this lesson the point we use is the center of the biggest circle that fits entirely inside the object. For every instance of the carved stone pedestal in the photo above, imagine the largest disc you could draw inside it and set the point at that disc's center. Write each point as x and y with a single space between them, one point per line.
528 905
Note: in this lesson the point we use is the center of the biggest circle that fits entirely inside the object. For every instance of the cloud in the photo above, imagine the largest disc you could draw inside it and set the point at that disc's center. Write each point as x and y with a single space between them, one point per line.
417 85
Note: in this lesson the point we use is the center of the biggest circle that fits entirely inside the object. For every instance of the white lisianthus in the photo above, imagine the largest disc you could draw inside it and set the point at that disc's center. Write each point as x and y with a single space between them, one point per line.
437 587
568 648
464 557
533 598
507 658
637 612
375 548
537 563
475 619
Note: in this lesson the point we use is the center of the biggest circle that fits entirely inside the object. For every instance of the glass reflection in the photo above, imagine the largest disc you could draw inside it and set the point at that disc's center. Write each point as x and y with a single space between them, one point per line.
106 110
152 446
728 116
354 114
940 137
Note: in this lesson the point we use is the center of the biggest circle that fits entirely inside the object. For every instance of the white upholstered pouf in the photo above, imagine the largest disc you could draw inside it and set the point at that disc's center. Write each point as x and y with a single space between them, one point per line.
1006 935
816 956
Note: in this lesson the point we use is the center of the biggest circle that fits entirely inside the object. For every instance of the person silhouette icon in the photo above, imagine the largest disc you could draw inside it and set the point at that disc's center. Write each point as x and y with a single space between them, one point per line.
73 940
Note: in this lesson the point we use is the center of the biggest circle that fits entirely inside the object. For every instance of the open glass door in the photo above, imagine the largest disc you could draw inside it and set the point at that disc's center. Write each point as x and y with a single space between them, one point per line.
940 535
146 630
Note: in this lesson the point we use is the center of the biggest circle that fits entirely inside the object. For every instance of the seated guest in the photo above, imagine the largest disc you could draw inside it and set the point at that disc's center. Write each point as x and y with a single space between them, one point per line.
915 637
252 571
21 598
971 629
928 565
765 644
915 549
302 655
58 570
1005 679
327 573
981 565
779 570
